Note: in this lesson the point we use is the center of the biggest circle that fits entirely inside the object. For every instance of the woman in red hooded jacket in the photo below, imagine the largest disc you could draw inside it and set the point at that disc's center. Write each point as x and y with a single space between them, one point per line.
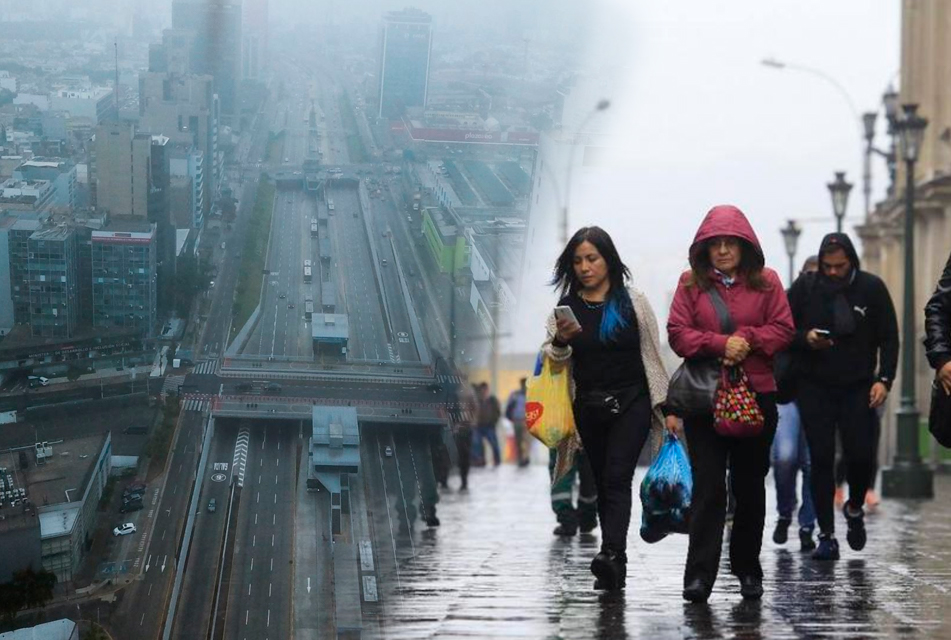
726 255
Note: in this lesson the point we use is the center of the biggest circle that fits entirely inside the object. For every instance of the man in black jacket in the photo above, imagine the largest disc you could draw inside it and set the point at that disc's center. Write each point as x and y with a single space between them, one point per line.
847 336
938 328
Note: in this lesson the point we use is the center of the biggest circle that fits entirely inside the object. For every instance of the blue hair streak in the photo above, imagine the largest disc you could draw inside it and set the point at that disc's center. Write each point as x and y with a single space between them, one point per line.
617 314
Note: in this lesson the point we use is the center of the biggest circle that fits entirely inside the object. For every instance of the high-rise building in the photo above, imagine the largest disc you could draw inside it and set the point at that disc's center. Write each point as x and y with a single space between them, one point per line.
216 44
124 278
256 30
159 215
53 282
122 169
405 51
61 173
18 227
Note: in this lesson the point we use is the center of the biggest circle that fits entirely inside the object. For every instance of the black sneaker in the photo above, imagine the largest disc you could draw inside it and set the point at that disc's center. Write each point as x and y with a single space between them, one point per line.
565 530
781 533
828 548
806 543
751 587
610 569
696 591
856 535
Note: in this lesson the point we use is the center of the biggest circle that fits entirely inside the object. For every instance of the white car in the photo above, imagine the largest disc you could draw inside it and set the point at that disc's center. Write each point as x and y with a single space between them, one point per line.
388 452
124 529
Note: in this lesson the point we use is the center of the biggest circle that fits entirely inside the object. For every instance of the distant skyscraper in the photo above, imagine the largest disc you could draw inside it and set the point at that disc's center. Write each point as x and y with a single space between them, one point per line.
405 51
216 47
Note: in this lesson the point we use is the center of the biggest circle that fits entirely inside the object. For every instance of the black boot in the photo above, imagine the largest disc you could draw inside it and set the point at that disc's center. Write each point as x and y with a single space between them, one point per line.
610 569
565 530
696 591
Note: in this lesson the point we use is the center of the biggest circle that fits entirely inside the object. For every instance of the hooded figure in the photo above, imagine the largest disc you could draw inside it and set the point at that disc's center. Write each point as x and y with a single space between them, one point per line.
857 310
847 352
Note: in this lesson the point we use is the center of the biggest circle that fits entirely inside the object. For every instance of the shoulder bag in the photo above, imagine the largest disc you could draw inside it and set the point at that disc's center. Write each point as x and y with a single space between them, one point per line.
694 384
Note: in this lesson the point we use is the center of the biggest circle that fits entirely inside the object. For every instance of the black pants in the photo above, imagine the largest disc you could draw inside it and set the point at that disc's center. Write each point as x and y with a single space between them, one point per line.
748 460
463 437
613 444
824 410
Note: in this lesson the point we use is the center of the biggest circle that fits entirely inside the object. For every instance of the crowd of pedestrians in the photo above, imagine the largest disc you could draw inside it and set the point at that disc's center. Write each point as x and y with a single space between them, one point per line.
816 364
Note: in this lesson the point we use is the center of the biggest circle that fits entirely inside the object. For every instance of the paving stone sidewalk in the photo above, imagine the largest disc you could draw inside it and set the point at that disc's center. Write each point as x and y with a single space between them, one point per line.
494 570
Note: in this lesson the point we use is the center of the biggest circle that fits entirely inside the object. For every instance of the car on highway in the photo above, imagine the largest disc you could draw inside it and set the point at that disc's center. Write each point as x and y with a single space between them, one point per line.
212 505
282 296
435 387
388 452
124 529
244 387
290 305
274 388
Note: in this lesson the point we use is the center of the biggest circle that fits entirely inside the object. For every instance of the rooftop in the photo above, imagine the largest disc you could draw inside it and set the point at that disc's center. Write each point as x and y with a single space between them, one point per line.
58 233
330 326
60 482
56 630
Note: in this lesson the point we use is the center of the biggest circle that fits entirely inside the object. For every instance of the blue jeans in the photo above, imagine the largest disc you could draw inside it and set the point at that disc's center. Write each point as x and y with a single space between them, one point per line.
487 432
790 454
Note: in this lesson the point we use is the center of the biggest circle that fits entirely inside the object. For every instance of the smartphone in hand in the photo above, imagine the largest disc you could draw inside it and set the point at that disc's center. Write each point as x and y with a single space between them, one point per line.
564 312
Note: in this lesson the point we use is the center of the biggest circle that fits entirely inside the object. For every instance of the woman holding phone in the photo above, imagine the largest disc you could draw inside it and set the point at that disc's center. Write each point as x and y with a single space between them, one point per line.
606 331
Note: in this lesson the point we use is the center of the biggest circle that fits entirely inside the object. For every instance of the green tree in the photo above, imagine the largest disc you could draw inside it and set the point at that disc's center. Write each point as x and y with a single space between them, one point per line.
74 372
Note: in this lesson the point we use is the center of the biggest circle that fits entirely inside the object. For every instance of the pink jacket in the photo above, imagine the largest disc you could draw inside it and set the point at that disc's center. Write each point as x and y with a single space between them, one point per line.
763 318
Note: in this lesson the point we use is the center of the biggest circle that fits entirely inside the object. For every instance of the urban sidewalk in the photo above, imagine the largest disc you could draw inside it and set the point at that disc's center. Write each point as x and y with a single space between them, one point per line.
494 569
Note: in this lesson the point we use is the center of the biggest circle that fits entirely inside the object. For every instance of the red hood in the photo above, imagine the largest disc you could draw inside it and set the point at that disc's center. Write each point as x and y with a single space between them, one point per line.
725 220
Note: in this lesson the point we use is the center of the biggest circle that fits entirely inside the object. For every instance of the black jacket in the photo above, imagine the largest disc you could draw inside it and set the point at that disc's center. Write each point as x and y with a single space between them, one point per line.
870 352
938 321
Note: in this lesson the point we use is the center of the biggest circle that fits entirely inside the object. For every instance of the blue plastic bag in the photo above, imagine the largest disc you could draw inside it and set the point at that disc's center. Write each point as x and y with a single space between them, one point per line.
666 491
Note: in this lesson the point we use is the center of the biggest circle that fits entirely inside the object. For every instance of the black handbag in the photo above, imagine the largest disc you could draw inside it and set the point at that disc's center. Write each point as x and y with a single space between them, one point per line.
939 419
694 383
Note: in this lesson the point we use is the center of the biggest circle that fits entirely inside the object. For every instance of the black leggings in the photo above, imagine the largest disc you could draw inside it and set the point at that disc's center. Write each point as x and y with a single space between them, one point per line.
613 444
748 461
824 410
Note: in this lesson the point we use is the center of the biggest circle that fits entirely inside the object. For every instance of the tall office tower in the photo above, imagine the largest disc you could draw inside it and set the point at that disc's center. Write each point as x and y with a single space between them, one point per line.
122 169
124 288
405 50
53 282
255 55
216 44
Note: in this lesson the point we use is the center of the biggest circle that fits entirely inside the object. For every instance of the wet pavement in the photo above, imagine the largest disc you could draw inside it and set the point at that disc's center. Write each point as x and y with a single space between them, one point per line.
494 570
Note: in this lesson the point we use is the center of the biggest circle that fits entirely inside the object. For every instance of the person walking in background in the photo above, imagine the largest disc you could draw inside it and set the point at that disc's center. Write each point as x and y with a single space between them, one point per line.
571 516
462 414
726 262
489 413
790 452
606 331
938 329
845 327
515 412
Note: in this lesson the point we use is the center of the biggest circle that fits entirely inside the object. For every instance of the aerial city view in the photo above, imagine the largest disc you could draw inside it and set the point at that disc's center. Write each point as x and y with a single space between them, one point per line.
274 282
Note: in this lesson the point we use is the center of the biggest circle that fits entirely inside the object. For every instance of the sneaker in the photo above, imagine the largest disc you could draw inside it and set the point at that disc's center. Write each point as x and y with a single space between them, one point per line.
751 587
781 533
806 543
610 569
565 530
828 548
856 535
696 591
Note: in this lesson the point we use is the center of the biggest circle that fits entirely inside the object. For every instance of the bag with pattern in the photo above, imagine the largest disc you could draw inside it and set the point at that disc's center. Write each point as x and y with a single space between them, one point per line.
549 415
736 413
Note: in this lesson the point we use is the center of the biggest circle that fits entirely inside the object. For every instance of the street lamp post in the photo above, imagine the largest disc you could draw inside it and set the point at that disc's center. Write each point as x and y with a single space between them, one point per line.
839 189
791 234
908 477
602 105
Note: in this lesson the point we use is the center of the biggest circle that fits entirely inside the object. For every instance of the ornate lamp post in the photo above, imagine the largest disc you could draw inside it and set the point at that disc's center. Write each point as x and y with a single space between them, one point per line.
839 189
791 234
908 477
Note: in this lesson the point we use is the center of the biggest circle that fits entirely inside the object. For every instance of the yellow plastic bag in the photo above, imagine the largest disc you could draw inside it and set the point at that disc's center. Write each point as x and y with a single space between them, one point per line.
548 413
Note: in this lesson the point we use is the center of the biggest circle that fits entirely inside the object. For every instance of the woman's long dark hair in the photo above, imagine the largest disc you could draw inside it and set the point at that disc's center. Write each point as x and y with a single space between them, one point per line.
751 267
618 309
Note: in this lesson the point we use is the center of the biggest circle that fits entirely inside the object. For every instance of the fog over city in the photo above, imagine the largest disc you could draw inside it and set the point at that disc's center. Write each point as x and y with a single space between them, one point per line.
272 273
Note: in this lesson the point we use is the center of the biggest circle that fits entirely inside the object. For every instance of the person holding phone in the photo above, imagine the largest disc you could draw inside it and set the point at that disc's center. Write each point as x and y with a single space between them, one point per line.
606 331
847 344
726 261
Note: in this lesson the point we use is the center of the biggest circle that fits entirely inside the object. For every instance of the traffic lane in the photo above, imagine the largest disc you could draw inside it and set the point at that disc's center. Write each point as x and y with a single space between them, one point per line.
263 333
196 602
263 549
380 512
431 394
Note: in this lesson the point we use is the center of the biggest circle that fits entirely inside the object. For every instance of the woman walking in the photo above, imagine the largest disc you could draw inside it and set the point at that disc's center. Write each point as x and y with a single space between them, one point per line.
611 344
726 260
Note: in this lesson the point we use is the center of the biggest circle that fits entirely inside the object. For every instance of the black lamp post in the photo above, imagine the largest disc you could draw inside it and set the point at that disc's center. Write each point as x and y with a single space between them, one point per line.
839 189
791 233
908 477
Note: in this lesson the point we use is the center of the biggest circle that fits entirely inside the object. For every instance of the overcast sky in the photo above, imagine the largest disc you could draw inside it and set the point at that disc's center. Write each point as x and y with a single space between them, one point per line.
696 121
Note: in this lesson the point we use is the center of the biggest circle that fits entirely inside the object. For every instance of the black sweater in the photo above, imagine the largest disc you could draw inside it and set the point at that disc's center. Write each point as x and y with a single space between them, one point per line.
868 354
605 366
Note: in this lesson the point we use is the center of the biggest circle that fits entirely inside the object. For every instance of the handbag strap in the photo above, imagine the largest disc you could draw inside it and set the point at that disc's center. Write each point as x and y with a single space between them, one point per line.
726 321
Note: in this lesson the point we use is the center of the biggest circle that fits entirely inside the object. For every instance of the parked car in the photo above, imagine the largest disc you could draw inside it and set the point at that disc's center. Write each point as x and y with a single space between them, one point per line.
132 494
132 506
124 529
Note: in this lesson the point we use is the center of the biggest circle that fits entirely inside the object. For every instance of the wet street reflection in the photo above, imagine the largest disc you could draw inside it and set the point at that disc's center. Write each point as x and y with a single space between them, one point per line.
493 569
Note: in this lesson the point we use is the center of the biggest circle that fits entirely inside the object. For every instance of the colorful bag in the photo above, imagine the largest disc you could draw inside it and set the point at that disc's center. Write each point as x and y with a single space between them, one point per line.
548 412
666 492
736 413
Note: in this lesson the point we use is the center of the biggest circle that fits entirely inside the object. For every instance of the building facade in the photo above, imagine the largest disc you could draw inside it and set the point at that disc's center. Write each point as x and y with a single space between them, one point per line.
52 279
59 172
122 169
405 52
124 278
215 47
925 78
